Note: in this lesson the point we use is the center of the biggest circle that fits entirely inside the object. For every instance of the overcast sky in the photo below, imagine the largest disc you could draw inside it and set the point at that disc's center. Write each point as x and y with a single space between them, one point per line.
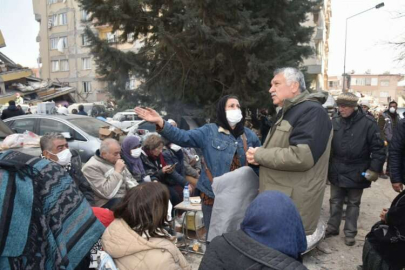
368 36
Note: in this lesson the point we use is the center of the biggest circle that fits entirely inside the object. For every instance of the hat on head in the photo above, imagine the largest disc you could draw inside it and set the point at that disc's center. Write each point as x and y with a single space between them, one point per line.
347 99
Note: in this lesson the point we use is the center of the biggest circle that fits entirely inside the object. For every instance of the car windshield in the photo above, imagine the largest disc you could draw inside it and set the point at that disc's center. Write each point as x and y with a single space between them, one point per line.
148 126
89 125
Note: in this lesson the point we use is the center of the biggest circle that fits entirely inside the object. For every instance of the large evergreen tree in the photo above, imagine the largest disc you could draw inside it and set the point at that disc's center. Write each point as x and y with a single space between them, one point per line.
195 51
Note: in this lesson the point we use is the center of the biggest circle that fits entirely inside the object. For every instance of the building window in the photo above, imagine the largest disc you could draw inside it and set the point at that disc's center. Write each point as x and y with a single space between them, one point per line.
368 81
87 87
85 40
384 94
385 83
62 19
86 63
64 65
111 37
55 65
55 41
84 16
374 81
58 19
359 81
52 2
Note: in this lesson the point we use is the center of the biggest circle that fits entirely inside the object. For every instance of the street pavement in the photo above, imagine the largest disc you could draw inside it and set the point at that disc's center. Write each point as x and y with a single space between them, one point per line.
332 253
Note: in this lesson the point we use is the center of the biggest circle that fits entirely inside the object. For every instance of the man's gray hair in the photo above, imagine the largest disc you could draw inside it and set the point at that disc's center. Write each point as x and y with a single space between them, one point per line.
105 145
292 75
46 141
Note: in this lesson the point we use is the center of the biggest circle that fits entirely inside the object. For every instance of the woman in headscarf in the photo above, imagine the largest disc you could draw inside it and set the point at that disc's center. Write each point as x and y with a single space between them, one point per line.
223 144
271 235
131 151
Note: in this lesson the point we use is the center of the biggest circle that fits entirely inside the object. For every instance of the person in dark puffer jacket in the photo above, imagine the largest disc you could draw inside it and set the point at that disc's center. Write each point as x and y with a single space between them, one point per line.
269 238
11 111
357 148
397 157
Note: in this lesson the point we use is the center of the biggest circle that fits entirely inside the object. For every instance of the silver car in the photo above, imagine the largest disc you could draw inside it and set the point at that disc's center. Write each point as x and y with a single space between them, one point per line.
83 130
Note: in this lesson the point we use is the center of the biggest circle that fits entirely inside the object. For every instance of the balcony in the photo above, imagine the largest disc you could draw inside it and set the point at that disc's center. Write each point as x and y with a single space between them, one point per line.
313 65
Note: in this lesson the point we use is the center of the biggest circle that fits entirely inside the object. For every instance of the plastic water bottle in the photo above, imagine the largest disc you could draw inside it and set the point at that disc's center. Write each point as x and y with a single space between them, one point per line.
186 195
366 175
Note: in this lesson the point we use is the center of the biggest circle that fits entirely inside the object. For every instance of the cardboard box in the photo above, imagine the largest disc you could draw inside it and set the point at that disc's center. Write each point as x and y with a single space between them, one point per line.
110 132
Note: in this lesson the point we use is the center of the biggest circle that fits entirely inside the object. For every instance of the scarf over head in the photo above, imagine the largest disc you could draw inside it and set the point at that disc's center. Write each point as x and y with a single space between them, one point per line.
273 220
135 164
223 122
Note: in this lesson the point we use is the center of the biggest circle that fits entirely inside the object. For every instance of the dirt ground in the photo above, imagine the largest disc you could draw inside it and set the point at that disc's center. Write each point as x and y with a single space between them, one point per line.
332 253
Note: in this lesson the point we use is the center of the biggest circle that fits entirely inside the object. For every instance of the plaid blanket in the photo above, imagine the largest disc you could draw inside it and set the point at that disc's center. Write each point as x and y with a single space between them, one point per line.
45 222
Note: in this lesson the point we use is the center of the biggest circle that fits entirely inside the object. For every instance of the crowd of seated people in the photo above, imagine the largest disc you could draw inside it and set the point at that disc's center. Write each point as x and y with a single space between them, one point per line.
119 203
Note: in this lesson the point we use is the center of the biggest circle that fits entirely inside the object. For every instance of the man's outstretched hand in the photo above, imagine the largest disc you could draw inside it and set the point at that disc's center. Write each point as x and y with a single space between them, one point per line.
149 115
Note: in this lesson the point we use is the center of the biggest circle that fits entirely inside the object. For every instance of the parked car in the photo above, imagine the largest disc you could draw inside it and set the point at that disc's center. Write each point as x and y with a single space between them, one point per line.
83 130
125 120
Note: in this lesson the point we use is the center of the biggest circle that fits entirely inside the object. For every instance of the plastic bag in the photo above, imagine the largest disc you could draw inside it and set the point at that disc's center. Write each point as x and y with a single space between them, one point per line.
27 139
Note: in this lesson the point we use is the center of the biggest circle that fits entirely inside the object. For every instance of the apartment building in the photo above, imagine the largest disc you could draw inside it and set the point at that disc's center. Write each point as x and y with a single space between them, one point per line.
317 65
64 49
380 87
383 87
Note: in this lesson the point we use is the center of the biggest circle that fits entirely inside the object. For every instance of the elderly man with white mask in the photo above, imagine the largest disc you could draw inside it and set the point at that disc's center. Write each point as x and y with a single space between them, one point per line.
54 147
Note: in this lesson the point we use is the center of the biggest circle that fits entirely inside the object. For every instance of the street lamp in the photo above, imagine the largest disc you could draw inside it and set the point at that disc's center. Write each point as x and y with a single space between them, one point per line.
380 5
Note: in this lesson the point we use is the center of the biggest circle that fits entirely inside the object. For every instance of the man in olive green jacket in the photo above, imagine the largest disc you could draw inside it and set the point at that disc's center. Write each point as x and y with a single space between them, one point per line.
294 158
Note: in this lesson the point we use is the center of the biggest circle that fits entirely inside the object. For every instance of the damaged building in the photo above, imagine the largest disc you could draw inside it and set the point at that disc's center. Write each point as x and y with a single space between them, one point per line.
16 79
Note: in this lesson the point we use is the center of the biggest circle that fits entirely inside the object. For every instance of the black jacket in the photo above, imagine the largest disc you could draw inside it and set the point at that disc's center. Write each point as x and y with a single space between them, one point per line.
356 147
388 238
75 171
11 111
236 250
397 154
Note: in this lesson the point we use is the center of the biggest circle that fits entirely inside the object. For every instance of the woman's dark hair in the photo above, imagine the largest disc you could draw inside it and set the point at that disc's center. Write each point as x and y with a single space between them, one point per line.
144 209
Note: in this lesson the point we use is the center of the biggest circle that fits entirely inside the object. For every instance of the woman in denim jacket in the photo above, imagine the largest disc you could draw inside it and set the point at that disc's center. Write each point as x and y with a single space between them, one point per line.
221 144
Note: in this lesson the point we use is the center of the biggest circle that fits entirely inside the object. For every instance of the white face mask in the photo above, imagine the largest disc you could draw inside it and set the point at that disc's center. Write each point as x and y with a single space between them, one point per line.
64 157
175 147
136 153
233 117
392 110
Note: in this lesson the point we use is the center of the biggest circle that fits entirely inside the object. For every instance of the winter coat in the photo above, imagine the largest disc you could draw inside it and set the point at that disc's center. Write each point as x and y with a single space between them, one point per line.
397 154
178 175
387 123
236 250
294 158
105 181
131 251
11 111
76 173
388 238
356 147
82 113
190 170
218 147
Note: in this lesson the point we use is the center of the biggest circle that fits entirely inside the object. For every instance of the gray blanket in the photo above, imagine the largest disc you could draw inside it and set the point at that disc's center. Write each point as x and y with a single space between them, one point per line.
234 191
